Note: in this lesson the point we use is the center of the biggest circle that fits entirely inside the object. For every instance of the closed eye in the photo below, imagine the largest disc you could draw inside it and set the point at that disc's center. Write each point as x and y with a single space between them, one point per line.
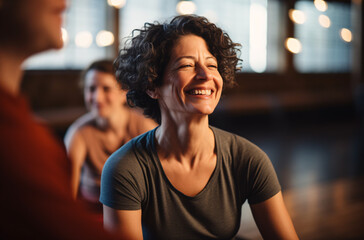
185 66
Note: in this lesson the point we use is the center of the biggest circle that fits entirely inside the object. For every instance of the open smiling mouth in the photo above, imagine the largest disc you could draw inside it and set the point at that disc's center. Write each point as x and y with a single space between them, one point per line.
204 92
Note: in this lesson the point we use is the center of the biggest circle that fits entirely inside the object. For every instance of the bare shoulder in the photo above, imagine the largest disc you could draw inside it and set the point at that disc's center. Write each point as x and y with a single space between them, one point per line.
141 122
73 130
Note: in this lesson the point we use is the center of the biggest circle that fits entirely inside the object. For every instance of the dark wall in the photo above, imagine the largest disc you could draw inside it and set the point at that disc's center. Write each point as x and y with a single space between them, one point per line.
49 89
56 97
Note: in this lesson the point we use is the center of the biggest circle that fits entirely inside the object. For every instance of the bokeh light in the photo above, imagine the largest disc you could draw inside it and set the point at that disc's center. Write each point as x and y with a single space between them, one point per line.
293 45
346 35
297 16
320 5
116 3
324 21
104 38
83 39
186 7
64 35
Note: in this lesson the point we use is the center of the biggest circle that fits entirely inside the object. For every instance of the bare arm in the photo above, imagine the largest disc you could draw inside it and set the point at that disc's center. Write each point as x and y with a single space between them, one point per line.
76 150
273 220
124 223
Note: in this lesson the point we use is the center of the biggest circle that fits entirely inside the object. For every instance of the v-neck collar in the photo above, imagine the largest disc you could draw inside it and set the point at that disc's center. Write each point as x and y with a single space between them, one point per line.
211 180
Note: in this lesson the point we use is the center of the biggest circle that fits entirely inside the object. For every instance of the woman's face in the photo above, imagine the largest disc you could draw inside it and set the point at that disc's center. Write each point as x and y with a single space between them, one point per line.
35 25
103 95
192 83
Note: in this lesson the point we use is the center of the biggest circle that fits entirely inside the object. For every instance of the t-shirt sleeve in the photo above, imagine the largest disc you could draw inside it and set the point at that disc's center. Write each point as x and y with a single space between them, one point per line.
120 180
262 178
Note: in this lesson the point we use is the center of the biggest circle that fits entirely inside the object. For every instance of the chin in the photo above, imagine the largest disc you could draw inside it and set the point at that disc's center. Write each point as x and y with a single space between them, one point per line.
57 42
101 114
45 46
59 45
205 110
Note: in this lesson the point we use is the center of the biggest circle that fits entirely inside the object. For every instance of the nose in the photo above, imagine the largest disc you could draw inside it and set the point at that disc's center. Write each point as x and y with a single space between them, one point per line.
203 72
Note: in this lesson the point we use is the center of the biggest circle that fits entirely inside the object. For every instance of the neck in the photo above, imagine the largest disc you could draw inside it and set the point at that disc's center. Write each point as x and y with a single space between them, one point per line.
185 140
10 71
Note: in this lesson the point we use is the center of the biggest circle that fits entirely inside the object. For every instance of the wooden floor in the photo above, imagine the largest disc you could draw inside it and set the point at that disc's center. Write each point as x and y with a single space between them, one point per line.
333 210
319 159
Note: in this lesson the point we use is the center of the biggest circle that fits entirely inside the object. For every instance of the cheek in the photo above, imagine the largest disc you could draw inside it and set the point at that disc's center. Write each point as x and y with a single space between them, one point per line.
123 98
219 81
47 27
116 98
171 91
221 84
183 78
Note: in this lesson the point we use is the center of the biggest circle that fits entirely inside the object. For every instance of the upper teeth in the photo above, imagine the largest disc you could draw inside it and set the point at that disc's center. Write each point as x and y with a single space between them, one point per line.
200 92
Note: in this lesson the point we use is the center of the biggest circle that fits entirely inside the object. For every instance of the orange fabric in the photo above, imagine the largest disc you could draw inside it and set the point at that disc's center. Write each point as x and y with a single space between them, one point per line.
99 148
35 191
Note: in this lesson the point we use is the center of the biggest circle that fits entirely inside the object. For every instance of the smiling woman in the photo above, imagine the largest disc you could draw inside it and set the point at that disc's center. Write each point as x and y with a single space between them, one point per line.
140 67
191 81
186 179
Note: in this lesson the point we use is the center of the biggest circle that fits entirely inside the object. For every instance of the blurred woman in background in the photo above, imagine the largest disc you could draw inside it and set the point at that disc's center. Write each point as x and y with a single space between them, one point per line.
108 125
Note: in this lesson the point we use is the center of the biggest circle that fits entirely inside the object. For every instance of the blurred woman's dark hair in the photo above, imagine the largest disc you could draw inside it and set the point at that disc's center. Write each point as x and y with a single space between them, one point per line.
141 63
104 65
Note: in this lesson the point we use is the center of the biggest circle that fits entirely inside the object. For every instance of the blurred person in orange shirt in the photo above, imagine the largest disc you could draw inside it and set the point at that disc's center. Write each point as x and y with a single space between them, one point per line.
36 200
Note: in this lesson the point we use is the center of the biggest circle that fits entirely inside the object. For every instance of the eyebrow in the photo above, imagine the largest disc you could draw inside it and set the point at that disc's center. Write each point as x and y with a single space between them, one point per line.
193 58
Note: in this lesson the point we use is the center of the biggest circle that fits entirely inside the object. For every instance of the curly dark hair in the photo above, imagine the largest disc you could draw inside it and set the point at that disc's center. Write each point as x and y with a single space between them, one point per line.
141 63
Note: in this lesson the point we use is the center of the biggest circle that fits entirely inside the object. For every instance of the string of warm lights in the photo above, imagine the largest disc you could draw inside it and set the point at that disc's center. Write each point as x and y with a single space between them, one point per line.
84 39
104 38
298 17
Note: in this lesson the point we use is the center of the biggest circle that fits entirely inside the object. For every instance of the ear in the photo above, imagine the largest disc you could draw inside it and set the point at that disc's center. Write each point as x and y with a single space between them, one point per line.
153 93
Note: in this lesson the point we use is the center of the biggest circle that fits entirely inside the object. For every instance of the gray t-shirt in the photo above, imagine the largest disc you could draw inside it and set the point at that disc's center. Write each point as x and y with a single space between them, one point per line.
133 178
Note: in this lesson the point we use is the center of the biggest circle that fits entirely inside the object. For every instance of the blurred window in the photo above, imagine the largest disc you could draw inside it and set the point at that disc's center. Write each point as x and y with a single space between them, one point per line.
83 22
246 21
255 24
325 37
